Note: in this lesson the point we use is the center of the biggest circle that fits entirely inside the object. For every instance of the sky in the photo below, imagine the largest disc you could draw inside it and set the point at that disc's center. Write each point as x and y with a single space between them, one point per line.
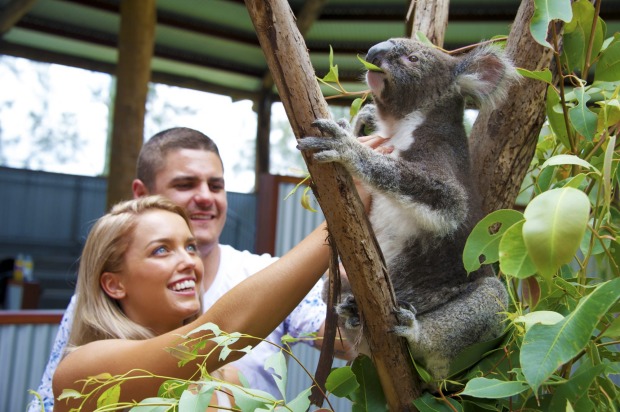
56 89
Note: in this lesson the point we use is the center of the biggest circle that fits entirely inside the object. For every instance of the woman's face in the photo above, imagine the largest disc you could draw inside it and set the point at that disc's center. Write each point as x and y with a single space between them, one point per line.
162 272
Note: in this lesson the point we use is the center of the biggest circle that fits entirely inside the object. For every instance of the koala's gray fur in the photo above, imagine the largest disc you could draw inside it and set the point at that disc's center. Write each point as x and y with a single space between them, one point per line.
424 201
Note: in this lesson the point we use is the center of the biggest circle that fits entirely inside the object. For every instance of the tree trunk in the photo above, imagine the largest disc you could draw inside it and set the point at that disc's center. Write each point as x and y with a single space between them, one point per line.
503 140
290 66
135 49
429 17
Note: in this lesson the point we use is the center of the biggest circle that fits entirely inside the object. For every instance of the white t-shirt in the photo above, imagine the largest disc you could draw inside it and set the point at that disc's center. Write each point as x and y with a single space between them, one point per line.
235 266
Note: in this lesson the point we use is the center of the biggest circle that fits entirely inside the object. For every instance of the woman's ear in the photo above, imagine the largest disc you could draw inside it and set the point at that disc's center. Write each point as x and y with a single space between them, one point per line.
112 285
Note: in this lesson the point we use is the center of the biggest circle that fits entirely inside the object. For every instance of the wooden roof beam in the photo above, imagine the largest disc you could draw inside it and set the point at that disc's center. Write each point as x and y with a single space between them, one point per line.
13 12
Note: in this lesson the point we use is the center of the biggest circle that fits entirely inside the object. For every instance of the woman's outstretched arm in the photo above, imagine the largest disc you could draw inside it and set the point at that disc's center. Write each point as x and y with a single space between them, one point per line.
254 307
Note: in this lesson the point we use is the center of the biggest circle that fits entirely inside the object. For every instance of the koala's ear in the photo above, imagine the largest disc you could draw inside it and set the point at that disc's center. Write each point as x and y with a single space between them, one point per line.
484 75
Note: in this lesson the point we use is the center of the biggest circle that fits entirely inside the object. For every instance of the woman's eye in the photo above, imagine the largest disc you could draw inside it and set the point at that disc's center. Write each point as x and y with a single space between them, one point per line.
192 248
160 250
413 58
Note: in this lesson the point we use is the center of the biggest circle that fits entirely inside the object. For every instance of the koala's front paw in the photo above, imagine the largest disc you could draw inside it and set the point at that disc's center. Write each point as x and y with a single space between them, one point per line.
335 148
406 322
348 311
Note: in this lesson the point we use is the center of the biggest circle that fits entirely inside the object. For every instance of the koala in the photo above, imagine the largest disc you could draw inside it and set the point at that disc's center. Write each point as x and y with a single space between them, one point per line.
424 198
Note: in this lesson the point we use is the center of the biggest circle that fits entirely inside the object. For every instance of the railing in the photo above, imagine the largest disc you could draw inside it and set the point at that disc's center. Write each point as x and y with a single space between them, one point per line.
26 338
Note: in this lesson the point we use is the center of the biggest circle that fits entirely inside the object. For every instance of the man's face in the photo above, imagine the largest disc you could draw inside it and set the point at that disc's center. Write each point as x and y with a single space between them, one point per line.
194 179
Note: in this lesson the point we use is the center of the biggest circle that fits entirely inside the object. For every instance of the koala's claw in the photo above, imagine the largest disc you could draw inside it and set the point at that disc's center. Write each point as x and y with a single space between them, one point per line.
348 311
406 320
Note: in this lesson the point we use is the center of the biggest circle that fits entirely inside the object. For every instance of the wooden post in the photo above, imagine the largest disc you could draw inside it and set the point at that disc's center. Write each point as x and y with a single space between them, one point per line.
135 49
290 66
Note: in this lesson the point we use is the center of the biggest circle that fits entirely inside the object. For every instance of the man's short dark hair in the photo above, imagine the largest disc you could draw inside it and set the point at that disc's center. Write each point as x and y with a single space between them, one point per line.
154 151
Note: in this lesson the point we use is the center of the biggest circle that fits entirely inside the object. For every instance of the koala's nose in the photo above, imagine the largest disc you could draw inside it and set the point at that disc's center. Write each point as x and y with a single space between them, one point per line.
376 52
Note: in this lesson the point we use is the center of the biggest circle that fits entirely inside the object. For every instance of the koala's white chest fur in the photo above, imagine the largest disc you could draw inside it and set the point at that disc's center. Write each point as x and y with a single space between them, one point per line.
400 134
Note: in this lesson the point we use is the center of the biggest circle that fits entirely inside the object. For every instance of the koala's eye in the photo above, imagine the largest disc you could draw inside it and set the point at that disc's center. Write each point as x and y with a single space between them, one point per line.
413 58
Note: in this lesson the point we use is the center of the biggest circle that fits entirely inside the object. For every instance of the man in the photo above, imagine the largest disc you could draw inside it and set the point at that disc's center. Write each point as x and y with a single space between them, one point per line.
185 166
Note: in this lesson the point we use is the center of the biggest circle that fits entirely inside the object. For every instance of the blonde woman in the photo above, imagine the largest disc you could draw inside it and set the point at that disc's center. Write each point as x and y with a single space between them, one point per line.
138 292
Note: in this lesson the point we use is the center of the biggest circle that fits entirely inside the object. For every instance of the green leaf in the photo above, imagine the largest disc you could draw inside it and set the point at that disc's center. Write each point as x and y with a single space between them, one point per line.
543 317
110 396
473 354
247 399
493 388
607 169
583 119
483 243
577 33
555 222
332 75
545 12
301 402
565 159
613 331
341 381
369 395
355 107
200 401
154 405
69 394
421 37
575 390
608 66
209 326
547 347
369 65
277 362
513 257
428 403
542 75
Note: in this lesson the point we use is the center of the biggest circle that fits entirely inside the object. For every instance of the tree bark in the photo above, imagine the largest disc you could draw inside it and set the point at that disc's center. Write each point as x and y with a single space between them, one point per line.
429 17
503 141
290 66
135 49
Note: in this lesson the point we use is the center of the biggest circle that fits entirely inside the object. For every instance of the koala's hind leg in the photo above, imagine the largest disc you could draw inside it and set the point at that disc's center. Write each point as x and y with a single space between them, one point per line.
436 337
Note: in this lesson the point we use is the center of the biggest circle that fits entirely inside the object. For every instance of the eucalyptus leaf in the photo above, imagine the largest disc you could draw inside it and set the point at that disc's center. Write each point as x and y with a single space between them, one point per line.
154 405
482 245
69 394
555 222
577 33
583 119
473 354
369 395
575 390
110 396
493 388
513 257
301 402
369 66
428 403
199 401
277 362
608 65
341 381
565 159
545 12
542 75
543 317
547 347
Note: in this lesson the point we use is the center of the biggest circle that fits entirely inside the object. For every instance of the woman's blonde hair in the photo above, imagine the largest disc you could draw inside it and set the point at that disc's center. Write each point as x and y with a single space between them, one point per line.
97 315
